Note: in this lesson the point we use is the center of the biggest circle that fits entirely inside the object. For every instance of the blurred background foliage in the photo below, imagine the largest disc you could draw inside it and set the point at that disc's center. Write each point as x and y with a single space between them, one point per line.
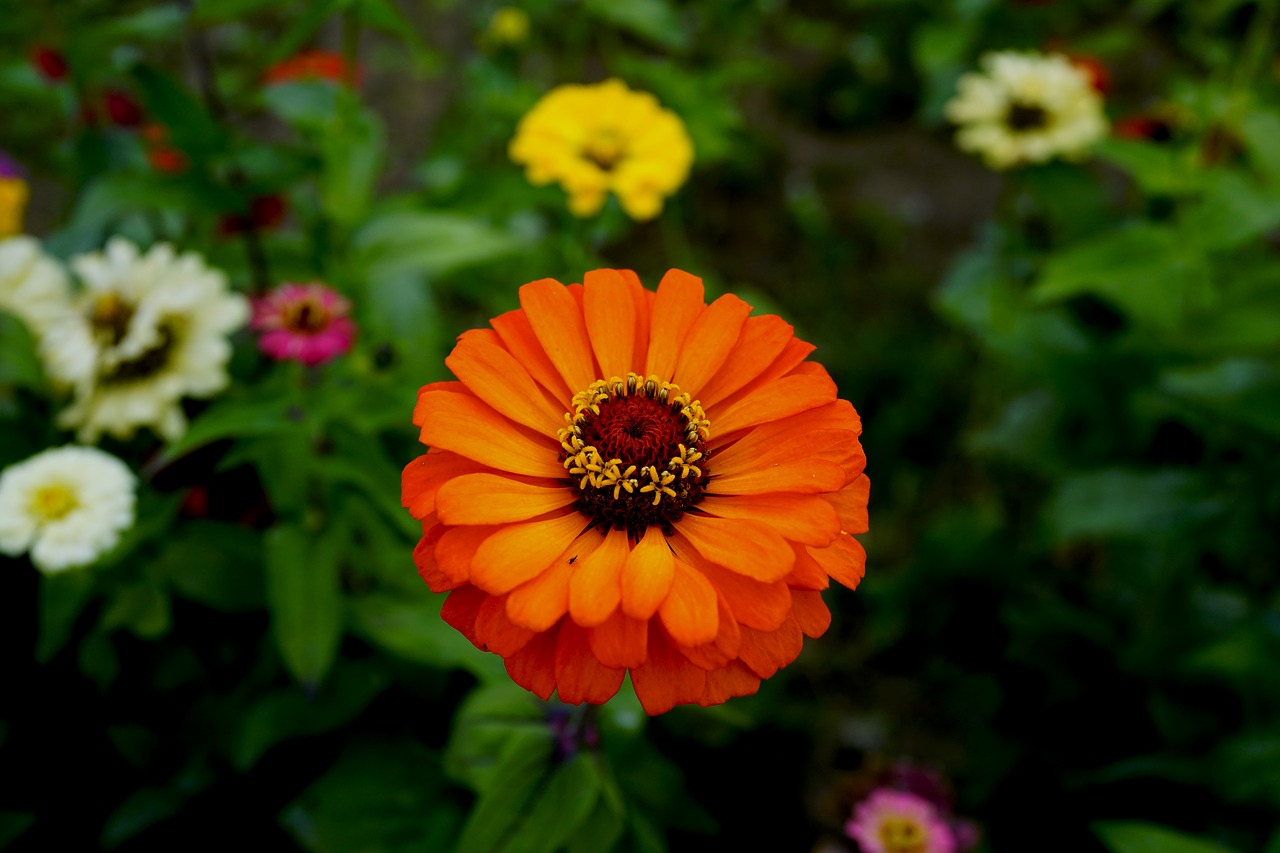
1069 376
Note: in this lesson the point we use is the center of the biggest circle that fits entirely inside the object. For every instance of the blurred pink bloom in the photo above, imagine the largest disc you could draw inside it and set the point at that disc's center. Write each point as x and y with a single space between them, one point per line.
891 821
303 322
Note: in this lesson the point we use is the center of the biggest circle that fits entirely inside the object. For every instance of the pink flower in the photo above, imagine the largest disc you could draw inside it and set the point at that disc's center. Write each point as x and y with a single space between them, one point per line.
303 322
891 821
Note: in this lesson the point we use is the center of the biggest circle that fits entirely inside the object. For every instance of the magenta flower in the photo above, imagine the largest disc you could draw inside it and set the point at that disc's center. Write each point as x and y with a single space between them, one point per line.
303 322
891 821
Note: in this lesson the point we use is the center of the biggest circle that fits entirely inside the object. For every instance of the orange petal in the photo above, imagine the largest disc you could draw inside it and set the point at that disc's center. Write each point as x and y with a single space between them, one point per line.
806 574
424 558
460 610
751 548
763 606
496 377
580 677
724 647
804 518
761 342
540 602
468 426
559 326
496 632
647 575
807 476
611 322
811 612
620 641
844 559
534 666
595 590
794 352
709 342
851 504
667 677
679 301
643 301
420 408
494 499
765 447
457 546
773 401
423 477
767 652
734 679
518 552
517 336
690 610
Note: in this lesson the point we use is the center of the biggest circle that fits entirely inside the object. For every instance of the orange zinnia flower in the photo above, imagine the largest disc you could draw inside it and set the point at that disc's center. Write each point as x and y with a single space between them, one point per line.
627 480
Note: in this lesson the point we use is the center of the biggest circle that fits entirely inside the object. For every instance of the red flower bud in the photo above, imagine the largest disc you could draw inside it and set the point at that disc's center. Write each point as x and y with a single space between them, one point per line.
49 62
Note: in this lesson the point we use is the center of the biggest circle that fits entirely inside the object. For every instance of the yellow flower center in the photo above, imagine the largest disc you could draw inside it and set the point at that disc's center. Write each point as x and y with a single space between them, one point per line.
635 448
605 148
306 316
110 318
902 835
1022 117
52 502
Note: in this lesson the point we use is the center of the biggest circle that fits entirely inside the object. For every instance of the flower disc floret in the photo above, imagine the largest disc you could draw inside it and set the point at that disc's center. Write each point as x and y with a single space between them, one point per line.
677 520
890 821
1027 108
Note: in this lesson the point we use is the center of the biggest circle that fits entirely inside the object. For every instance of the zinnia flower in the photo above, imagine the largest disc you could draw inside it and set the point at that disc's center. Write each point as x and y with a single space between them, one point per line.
1026 108
891 821
303 322
33 285
14 193
67 506
313 65
604 138
146 331
628 481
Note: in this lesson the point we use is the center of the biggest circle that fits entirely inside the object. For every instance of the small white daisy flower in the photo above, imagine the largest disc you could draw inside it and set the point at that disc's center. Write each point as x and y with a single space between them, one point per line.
147 330
33 285
1026 108
67 506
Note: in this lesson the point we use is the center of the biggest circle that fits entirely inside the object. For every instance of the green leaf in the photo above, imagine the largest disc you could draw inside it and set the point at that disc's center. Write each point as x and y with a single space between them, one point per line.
304 27
430 244
19 364
1233 210
382 494
238 418
1122 503
601 830
1261 133
488 718
352 149
62 598
141 809
521 770
411 628
141 607
191 129
1138 837
654 20
1157 169
559 808
214 563
305 598
13 824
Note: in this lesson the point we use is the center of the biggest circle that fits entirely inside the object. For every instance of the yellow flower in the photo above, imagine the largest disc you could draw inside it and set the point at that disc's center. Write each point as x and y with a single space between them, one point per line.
13 201
602 138
508 25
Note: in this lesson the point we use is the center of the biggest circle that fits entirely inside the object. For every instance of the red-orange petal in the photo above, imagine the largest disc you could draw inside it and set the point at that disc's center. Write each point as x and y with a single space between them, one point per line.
457 546
647 575
424 558
610 313
558 323
851 504
667 677
516 333
540 602
806 573
733 679
709 342
460 610
781 398
620 641
496 632
679 301
724 648
803 518
494 499
422 478
762 340
518 552
595 590
580 677
690 611
751 548
763 606
495 376
844 559
534 666
811 612
467 426
767 652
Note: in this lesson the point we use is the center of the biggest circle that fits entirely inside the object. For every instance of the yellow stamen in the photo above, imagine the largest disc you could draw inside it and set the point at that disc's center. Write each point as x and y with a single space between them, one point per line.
51 503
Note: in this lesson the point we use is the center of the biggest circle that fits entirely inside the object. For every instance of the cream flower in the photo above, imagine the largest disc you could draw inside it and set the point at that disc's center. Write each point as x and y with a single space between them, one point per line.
67 506
147 330
33 286
1026 108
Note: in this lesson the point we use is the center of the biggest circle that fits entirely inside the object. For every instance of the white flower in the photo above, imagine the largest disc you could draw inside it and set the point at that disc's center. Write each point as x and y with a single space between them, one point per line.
33 286
66 505
1026 108
147 330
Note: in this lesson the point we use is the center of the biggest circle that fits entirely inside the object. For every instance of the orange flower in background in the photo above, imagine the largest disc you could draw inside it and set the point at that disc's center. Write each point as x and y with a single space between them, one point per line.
313 65
622 480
